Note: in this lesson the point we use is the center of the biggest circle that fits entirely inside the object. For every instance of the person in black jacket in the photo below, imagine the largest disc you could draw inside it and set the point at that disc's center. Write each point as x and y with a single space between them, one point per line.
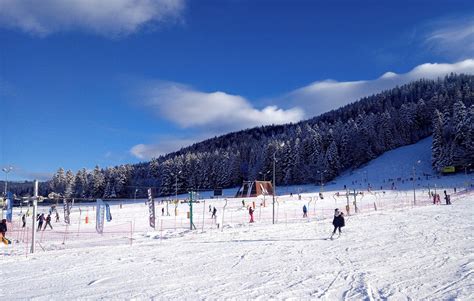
338 222
48 222
40 220
447 198
3 227
214 213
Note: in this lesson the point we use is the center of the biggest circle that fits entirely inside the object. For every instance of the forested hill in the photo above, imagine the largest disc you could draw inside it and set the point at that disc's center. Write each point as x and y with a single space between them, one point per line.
327 144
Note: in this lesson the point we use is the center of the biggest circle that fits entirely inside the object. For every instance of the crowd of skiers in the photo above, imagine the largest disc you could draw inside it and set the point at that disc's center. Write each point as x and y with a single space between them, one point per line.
338 218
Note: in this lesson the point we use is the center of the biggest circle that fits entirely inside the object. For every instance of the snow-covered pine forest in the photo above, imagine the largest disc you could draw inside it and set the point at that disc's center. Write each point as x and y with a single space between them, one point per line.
307 152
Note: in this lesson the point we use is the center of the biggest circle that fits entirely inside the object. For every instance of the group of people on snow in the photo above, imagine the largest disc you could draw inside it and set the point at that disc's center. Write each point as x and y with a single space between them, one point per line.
437 199
41 219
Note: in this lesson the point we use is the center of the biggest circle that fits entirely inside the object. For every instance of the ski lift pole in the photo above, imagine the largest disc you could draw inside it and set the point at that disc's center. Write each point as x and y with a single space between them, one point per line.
223 210
33 229
191 197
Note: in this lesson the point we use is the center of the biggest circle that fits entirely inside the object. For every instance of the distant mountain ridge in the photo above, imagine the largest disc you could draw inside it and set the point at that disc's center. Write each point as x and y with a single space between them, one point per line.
309 151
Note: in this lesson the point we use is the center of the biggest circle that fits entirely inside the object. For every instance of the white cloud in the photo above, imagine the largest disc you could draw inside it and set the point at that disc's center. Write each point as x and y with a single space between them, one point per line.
454 38
109 18
19 173
217 111
323 96
168 145
210 114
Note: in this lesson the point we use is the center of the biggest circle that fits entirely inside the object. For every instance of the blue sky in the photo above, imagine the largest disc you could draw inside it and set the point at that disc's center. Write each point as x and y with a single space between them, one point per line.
121 81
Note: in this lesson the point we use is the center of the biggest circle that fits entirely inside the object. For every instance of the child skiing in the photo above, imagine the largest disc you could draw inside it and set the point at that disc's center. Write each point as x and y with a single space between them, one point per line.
3 227
40 220
3 230
338 222
214 213
48 222
251 214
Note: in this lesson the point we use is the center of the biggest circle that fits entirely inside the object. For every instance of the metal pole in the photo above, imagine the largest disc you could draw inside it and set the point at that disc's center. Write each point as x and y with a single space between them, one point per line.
175 195
33 228
414 193
6 181
6 170
274 189
322 184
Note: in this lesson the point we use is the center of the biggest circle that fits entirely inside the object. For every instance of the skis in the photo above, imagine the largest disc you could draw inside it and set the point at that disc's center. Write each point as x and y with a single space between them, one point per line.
6 241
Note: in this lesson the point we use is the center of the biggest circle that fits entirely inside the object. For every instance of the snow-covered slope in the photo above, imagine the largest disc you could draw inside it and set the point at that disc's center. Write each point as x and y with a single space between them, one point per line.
420 253
397 246
395 166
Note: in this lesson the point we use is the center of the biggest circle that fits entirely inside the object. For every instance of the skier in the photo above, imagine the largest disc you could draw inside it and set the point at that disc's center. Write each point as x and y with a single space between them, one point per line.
23 219
251 214
305 211
3 228
162 211
447 197
40 220
48 222
57 216
214 213
338 222
210 208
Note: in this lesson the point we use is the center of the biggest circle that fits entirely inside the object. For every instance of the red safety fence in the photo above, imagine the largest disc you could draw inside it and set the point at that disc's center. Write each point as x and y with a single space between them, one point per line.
131 220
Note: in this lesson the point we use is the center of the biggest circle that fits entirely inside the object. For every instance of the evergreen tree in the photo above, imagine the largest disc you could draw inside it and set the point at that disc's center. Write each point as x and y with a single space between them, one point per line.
69 184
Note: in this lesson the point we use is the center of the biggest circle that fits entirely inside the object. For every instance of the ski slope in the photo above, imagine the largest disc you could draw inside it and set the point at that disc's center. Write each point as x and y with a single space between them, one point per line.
420 253
405 249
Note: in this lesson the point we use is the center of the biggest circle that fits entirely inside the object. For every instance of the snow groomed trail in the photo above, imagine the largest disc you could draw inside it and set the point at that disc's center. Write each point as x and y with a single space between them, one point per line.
411 253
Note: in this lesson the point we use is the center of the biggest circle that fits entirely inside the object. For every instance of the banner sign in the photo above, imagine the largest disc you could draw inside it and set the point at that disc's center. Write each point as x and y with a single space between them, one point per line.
67 211
9 206
108 215
151 208
448 169
100 214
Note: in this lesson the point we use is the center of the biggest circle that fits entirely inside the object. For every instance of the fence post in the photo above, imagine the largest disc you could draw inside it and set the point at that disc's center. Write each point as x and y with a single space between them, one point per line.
131 233
203 215
65 234
27 240
161 231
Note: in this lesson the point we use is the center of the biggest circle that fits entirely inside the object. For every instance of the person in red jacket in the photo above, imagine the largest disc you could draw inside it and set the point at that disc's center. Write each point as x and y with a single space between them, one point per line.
251 214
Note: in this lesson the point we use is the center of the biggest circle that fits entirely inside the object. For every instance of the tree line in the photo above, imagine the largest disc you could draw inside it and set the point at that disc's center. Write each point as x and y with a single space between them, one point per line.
305 152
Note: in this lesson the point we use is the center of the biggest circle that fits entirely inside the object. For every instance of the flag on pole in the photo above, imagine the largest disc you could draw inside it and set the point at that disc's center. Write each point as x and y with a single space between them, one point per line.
67 211
151 208
100 214
108 215
9 206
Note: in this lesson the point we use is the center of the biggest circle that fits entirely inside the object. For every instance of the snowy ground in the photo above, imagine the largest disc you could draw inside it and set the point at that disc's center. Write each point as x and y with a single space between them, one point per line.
419 253
402 250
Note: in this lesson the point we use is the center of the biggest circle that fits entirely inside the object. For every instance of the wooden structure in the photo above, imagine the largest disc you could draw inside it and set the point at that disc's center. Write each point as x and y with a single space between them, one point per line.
254 188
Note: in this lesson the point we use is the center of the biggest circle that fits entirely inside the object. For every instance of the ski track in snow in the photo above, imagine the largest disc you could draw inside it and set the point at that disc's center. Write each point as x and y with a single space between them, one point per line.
420 253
